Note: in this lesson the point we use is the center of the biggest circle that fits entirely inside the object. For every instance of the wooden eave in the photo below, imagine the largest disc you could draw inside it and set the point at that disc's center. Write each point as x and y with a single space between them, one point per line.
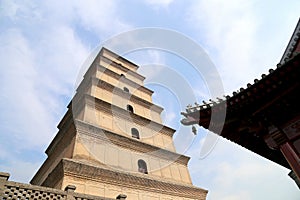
272 99
293 45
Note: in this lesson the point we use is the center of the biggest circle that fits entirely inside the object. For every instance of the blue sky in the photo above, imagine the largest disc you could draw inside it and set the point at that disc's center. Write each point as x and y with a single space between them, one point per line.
43 45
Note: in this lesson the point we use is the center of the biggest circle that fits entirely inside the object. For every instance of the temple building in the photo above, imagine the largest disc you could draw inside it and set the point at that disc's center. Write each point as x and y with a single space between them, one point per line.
111 140
264 117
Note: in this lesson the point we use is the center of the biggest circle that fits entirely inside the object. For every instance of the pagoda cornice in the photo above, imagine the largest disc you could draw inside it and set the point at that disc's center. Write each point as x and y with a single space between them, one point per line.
129 143
122 113
122 68
111 137
123 79
127 95
116 76
135 181
118 57
87 83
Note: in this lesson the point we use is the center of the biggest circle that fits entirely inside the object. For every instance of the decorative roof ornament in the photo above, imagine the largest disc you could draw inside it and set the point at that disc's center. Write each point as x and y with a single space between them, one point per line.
219 99
226 97
213 102
194 130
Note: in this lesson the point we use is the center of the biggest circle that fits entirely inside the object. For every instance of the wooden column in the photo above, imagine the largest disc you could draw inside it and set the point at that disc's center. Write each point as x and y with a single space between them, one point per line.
292 157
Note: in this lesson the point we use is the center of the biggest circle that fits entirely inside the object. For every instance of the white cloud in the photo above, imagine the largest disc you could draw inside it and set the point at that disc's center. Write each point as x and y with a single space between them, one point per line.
231 172
17 172
97 17
14 163
8 9
100 16
18 77
146 58
229 31
242 38
169 119
41 53
49 54
159 3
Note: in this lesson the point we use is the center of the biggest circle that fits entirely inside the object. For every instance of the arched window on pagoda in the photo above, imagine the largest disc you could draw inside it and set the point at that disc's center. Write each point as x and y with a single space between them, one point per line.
135 133
126 89
142 166
129 108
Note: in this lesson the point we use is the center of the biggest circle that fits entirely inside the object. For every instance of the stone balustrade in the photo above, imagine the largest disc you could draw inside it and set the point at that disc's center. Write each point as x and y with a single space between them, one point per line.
10 190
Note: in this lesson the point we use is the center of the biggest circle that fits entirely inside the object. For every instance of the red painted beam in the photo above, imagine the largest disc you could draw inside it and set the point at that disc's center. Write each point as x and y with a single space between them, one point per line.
292 157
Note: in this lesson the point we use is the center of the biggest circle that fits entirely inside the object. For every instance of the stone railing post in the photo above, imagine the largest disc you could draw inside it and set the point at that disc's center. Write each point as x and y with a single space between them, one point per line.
3 179
4 176
70 189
